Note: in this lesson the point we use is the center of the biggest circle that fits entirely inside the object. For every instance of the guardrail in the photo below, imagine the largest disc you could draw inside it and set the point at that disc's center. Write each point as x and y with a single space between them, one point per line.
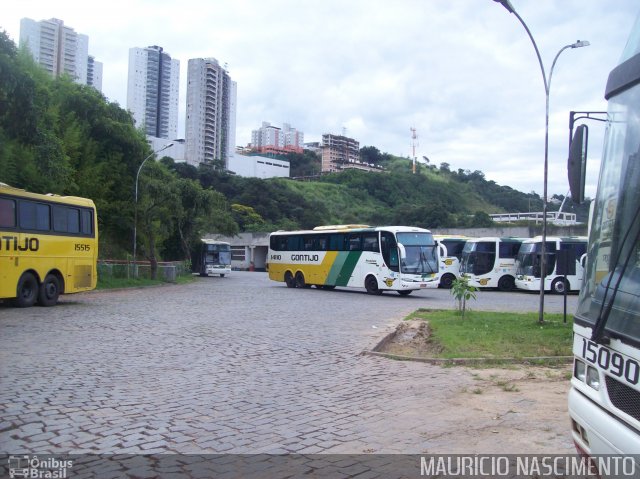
168 271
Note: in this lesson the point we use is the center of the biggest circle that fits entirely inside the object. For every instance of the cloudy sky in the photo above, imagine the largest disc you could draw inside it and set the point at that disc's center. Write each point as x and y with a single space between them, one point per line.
463 73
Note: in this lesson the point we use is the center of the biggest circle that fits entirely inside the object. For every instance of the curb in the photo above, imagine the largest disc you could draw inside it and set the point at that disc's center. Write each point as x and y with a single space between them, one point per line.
461 361
471 361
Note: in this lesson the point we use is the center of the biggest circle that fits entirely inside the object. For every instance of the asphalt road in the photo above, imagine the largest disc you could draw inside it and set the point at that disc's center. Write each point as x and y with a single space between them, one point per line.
241 365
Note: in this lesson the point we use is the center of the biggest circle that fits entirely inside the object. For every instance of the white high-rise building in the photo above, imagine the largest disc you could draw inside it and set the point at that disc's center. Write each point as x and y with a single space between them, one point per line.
210 127
270 139
58 48
94 73
153 91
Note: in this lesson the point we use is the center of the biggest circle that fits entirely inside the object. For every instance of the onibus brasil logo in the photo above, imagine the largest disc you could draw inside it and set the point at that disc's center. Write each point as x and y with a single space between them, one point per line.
37 468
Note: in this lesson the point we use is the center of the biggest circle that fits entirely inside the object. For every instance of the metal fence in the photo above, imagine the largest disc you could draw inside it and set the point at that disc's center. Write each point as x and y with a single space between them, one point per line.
168 271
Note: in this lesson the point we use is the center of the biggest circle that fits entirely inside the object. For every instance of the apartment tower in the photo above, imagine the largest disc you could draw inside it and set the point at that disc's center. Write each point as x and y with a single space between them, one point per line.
271 139
58 49
211 112
153 90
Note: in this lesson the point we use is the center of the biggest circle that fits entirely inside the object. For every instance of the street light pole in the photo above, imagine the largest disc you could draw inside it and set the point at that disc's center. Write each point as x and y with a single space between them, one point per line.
547 87
135 206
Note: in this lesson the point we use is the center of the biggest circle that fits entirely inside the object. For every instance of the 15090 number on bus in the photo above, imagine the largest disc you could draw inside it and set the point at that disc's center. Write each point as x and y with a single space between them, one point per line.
612 362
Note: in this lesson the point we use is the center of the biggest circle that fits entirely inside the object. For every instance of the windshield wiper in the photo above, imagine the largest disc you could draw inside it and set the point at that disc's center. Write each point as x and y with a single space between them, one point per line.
605 308
424 260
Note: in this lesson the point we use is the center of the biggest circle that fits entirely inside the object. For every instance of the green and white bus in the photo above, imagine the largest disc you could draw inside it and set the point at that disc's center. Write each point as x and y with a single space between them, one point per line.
449 253
490 262
528 262
390 258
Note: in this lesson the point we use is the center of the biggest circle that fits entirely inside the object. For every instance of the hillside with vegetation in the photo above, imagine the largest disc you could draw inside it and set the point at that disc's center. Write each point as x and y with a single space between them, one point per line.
60 137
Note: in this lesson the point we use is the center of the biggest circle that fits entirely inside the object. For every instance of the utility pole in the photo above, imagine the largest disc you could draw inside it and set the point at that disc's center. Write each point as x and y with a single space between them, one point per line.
414 142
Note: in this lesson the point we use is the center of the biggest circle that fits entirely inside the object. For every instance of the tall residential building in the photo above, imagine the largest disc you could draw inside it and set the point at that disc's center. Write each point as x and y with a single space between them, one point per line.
271 139
94 73
58 49
338 152
153 91
210 127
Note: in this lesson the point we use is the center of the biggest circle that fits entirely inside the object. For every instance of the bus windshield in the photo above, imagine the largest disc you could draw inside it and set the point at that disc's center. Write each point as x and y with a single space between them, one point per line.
478 257
420 253
610 298
528 260
218 254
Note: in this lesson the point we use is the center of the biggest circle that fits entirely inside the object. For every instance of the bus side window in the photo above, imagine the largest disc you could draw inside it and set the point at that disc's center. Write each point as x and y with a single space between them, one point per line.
308 242
34 216
355 242
370 242
86 227
7 213
321 243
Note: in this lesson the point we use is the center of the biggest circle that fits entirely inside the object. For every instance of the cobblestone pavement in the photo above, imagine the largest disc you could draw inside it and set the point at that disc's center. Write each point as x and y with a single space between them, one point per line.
243 365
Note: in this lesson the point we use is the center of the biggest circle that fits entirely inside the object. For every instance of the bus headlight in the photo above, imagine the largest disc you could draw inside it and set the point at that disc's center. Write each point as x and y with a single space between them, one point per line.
580 370
593 378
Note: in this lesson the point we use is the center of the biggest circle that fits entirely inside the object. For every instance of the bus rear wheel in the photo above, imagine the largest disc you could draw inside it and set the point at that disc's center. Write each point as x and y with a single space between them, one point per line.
49 290
288 279
371 285
300 282
559 286
27 291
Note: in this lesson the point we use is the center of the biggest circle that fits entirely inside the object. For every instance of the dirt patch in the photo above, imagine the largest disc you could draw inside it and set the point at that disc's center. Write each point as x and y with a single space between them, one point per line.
412 339
512 407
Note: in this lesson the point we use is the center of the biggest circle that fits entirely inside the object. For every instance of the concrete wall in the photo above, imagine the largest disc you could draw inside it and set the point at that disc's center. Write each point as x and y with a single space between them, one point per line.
516 231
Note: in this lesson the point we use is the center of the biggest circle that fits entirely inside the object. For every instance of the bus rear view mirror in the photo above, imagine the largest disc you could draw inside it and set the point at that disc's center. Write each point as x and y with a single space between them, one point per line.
577 164
403 251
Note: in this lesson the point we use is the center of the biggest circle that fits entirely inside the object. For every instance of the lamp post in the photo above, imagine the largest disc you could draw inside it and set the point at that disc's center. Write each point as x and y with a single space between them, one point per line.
547 87
135 206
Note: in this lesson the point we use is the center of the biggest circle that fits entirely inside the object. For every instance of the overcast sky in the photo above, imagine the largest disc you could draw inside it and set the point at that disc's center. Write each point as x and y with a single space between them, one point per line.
463 73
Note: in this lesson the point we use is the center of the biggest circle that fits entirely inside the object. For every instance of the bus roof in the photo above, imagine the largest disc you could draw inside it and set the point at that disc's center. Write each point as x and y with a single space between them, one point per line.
18 192
538 239
212 241
496 238
354 228
454 237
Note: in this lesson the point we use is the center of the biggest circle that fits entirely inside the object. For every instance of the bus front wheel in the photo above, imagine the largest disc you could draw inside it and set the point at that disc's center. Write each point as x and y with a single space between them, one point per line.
446 282
506 283
371 285
49 290
27 291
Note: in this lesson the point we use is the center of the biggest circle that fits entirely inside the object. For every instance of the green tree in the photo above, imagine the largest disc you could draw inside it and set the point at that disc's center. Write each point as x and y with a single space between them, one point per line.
462 291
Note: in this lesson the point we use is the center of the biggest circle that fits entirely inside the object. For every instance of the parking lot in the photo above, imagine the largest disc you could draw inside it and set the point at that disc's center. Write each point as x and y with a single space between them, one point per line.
244 365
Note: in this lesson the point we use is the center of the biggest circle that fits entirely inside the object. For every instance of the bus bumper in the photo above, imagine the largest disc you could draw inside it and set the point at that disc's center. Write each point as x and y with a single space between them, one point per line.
528 283
218 269
596 432
413 285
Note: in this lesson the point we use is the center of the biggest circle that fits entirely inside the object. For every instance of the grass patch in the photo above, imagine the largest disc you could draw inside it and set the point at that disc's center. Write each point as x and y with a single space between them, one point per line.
109 282
492 335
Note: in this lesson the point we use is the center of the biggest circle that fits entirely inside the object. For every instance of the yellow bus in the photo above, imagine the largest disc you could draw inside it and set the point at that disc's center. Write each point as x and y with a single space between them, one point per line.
48 246
392 258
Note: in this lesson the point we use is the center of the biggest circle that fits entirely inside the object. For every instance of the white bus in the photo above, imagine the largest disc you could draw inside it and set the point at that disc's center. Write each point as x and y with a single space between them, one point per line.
212 257
449 255
392 258
528 264
490 262
604 400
